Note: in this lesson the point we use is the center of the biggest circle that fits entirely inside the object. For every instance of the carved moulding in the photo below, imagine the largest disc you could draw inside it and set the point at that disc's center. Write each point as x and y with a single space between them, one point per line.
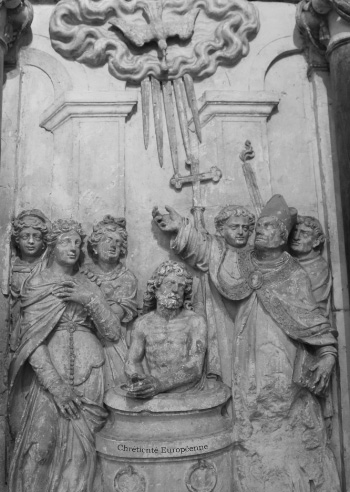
97 121
162 44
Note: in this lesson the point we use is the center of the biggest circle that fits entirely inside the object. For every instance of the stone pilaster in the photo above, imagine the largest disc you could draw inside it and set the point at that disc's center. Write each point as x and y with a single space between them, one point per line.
228 119
88 131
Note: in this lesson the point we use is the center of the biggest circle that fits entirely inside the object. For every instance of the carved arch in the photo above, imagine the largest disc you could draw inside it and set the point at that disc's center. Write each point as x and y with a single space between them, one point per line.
267 56
56 72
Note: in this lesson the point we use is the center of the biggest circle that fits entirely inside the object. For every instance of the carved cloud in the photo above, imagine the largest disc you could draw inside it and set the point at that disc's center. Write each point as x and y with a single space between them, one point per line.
81 30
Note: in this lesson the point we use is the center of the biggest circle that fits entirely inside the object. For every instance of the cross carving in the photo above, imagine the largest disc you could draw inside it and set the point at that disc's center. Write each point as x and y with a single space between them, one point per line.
214 174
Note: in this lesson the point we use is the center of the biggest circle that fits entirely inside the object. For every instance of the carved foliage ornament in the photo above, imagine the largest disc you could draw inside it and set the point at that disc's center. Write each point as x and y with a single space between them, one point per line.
162 38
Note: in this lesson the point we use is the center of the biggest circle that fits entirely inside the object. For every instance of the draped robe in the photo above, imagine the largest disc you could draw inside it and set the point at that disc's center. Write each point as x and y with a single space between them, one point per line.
279 431
321 281
119 287
20 271
52 453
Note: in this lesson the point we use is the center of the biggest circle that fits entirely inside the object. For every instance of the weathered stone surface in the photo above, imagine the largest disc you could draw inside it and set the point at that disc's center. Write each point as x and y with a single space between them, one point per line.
281 342
72 145
168 438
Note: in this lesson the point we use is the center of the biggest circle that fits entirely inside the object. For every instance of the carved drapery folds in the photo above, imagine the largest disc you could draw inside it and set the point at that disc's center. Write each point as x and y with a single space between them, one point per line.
163 44
276 308
69 338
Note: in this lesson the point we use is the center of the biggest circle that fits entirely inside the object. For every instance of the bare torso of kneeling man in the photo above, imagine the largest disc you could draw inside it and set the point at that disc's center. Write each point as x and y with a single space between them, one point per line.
169 342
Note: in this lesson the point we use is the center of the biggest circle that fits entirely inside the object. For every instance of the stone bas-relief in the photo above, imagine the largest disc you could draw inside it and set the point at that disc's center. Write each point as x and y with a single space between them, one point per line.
280 437
28 237
168 416
306 244
170 425
169 341
162 45
71 348
234 225
221 29
57 375
107 247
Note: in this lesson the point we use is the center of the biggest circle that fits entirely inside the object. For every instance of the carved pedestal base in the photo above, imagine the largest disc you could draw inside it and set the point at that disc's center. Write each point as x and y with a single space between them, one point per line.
172 443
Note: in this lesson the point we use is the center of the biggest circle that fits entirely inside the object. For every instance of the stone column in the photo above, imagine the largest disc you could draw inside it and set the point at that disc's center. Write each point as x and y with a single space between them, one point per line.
330 183
3 49
326 27
338 54
15 17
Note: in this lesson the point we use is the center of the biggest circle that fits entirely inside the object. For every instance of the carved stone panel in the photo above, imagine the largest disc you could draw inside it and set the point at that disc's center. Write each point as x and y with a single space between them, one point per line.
191 348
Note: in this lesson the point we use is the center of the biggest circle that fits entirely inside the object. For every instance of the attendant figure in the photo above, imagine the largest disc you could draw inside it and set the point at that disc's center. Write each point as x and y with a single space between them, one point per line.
284 351
219 255
107 247
306 244
28 237
56 376
168 343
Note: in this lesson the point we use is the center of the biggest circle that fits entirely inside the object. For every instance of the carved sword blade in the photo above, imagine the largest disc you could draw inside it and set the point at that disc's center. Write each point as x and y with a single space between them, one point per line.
192 101
145 97
170 122
180 98
158 117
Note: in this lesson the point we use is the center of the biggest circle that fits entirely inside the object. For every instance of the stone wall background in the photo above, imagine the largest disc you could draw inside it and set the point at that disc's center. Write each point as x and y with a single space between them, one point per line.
73 146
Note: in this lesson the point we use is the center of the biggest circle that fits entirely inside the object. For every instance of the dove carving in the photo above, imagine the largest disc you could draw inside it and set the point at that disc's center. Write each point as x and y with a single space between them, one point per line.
156 29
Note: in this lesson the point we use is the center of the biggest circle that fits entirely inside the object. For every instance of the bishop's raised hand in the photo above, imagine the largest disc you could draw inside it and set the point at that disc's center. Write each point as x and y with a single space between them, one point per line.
170 222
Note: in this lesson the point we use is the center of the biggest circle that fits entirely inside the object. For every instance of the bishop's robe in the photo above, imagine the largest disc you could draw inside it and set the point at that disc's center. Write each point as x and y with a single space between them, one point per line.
279 431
